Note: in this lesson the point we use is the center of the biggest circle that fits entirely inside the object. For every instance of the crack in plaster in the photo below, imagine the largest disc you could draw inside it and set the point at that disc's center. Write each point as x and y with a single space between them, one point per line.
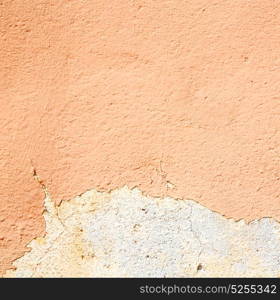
197 238
127 234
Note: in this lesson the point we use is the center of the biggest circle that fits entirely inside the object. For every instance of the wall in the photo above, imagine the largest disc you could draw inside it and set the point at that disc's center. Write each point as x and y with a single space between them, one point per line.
176 98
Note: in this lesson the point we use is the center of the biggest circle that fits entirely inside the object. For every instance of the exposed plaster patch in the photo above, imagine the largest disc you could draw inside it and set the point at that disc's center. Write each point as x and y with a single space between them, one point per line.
124 233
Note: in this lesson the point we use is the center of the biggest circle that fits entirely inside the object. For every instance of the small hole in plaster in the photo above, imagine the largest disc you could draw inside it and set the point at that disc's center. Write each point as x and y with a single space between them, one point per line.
144 210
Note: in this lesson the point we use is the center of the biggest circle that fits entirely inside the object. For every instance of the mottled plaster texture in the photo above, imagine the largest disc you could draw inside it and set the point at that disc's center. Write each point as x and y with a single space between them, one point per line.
177 98
127 234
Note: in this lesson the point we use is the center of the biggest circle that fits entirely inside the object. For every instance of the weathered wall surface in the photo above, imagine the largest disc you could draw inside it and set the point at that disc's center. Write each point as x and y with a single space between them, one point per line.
177 98
127 234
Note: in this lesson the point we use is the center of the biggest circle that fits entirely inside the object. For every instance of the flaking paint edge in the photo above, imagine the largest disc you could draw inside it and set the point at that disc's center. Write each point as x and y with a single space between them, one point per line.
127 234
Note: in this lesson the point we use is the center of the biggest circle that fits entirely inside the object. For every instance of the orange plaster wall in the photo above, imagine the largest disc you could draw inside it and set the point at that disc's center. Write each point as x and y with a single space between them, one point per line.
179 98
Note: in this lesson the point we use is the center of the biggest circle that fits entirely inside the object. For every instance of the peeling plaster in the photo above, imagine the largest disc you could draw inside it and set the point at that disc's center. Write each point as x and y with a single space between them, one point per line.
177 98
126 234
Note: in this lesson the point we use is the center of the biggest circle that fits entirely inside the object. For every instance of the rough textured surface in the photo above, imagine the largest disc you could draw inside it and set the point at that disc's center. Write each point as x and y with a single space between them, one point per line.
179 98
127 234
